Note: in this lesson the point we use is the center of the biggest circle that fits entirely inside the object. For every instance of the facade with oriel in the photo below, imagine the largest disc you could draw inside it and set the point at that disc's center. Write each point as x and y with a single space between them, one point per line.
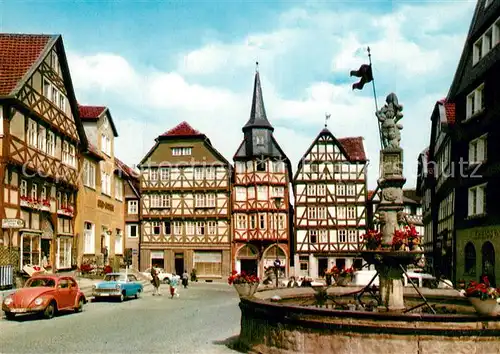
260 197
41 137
101 196
185 205
330 189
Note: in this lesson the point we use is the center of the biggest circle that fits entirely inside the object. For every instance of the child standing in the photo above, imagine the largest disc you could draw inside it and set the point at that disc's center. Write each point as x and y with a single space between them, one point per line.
173 286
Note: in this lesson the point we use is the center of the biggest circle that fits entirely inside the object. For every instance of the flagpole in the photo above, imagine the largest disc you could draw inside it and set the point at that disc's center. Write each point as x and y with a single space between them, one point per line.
375 95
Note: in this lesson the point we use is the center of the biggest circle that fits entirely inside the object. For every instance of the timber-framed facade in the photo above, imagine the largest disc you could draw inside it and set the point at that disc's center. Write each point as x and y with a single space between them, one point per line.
185 205
41 143
330 189
260 199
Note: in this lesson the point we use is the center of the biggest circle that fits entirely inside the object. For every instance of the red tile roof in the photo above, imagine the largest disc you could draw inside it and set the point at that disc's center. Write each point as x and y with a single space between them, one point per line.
90 112
126 169
182 129
354 148
449 109
18 54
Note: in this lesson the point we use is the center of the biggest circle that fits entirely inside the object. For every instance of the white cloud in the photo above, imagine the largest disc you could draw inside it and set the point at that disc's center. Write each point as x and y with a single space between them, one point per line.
407 45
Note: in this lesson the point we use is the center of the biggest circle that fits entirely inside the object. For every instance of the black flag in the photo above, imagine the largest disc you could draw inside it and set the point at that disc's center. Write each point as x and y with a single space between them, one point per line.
366 75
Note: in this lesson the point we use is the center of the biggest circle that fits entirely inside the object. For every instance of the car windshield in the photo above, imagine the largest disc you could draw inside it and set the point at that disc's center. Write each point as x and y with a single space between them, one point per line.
115 277
36 282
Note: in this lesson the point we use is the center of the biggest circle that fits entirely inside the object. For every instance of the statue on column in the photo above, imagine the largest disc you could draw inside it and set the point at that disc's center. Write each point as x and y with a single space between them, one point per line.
389 116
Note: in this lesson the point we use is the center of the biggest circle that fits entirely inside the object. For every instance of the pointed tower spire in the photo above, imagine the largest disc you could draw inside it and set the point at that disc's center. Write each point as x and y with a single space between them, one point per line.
258 118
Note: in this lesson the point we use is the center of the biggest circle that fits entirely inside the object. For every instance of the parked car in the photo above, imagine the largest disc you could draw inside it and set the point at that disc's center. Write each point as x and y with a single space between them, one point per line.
363 277
117 285
164 276
45 295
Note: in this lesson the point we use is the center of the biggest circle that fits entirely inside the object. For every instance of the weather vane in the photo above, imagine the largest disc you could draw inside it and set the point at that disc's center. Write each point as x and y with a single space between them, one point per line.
327 116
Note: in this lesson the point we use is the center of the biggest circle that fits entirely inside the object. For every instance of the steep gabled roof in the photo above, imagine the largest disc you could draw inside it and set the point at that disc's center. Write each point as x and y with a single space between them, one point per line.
182 130
352 148
93 113
94 152
125 170
18 55
449 110
258 117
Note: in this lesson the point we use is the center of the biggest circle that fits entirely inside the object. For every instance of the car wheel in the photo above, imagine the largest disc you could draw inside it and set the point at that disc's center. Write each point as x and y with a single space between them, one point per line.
50 311
122 297
79 307
138 294
10 316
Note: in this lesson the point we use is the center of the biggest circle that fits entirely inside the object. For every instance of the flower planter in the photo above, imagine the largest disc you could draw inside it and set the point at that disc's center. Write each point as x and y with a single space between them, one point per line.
488 307
342 281
246 289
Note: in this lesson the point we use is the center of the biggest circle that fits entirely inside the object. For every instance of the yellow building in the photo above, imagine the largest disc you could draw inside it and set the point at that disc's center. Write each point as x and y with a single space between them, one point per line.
100 223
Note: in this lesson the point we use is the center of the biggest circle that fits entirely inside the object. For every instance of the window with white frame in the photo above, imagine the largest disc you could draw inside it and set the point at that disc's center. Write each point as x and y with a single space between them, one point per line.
43 193
351 190
105 183
154 174
133 207
65 152
253 223
200 200
200 228
321 213
311 189
106 144
132 230
212 227
182 151
475 101
341 189
278 166
242 221
88 238
118 189
164 174
311 212
477 150
342 236
42 138
240 167
156 227
261 192
34 192
352 236
210 173
51 144
241 194
32 132
278 192
177 228
251 192
89 174
262 221
477 200
72 156
341 212
321 189
211 200
323 236
281 222
118 242
351 212
47 89
313 236
486 42
198 173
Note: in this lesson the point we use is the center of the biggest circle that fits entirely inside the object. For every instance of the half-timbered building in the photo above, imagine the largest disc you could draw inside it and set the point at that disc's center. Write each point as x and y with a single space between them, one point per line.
330 204
41 136
424 190
475 94
185 208
260 197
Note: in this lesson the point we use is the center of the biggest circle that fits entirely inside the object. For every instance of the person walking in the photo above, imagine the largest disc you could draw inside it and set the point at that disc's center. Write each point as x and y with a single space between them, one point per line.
173 286
155 281
185 277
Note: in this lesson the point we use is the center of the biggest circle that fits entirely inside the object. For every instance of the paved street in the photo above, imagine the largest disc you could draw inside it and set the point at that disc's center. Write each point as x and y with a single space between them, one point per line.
199 321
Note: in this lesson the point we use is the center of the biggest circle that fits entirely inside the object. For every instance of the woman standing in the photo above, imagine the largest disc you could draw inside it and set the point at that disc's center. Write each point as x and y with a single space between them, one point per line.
185 277
155 281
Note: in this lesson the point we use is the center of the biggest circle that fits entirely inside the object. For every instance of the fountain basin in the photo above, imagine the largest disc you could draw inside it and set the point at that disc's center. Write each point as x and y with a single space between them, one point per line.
282 327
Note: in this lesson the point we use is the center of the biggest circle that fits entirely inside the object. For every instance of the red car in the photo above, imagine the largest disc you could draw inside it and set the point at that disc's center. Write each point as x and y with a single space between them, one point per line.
46 295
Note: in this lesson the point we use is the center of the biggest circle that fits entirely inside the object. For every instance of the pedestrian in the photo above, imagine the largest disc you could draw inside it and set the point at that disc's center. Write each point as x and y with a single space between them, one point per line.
173 286
185 277
155 281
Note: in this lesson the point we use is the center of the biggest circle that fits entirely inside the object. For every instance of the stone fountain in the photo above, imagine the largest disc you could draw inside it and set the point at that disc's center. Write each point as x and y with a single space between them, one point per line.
300 322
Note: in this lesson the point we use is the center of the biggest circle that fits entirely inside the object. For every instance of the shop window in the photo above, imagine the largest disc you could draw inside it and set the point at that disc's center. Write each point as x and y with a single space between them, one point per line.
31 249
64 252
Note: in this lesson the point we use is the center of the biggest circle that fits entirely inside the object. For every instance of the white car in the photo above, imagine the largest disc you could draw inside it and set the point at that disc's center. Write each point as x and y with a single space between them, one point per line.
164 276
363 277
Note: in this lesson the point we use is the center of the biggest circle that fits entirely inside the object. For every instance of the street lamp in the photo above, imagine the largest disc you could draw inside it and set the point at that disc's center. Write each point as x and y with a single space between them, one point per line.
277 262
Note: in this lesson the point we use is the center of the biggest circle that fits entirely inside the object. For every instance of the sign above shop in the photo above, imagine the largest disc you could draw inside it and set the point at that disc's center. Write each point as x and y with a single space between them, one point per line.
103 205
12 223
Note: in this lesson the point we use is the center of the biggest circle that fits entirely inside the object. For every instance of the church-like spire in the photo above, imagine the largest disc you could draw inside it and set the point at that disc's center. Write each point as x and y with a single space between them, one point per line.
258 118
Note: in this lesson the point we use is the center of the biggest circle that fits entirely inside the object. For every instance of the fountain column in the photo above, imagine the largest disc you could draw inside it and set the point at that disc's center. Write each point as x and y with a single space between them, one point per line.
391 206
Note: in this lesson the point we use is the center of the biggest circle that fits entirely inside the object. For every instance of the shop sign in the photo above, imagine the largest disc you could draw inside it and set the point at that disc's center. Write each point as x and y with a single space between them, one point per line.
103 205
12 223
207 257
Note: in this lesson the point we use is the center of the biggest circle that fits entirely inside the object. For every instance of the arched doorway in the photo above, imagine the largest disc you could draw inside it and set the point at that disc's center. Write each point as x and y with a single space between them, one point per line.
488 264
271 254
247 259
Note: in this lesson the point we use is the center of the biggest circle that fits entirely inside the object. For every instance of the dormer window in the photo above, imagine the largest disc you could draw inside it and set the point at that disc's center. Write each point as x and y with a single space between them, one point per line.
259 140
486 42
182 151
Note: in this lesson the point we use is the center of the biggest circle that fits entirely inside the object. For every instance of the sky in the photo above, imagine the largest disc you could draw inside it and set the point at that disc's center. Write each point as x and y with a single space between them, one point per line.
158 63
